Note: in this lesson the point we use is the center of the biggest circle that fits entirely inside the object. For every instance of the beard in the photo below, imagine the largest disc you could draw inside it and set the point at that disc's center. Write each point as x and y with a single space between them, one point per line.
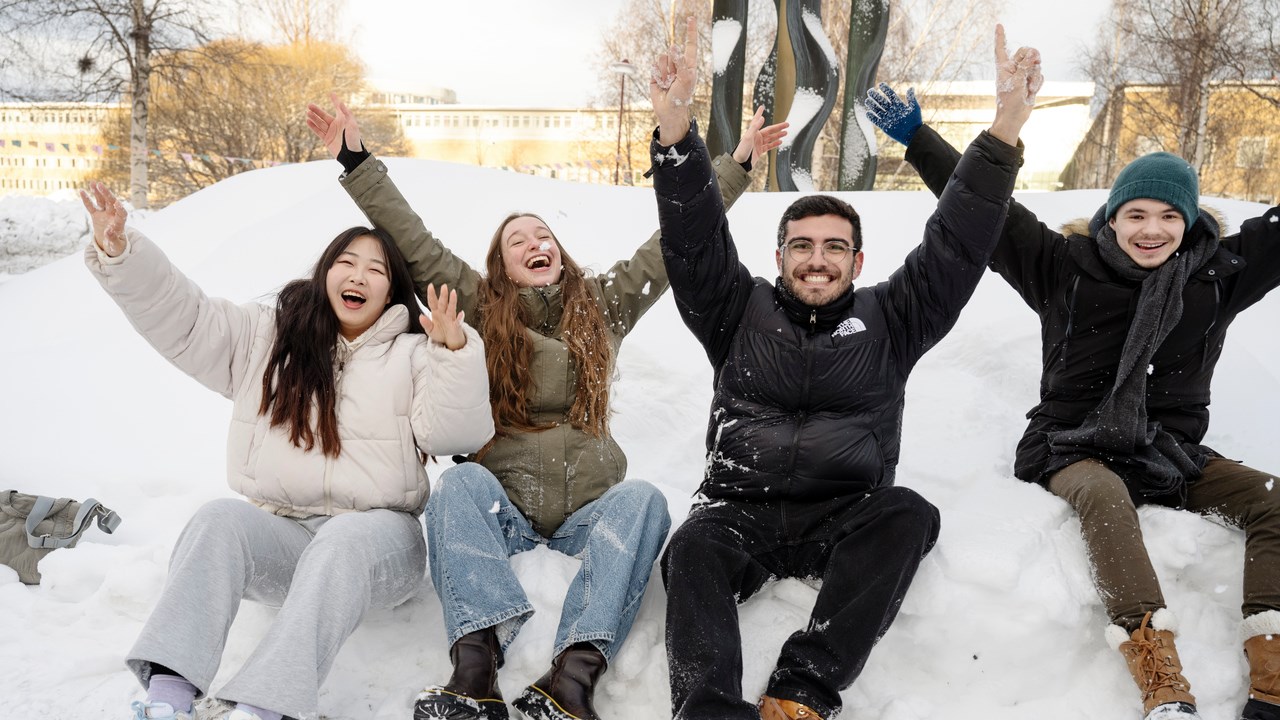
815 295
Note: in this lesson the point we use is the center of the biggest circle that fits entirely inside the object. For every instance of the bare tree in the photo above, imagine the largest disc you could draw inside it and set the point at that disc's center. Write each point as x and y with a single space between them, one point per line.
1182 48
236 103
98 50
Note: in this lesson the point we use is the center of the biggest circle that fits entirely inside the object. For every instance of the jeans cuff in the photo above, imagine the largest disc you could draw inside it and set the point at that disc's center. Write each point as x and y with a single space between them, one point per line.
804 697
602 640
507 624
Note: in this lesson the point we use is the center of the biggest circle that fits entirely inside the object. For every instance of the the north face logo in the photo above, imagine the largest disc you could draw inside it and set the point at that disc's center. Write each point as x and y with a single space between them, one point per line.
849 327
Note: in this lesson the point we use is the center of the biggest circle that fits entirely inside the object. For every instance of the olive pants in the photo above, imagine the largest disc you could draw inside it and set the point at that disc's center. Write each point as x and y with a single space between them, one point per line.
1126 581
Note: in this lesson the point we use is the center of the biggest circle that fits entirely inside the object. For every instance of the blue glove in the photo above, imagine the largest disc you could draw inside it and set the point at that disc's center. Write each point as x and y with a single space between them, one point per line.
899 120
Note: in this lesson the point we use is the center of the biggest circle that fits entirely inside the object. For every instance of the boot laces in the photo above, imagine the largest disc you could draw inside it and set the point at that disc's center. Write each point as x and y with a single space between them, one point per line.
1156 665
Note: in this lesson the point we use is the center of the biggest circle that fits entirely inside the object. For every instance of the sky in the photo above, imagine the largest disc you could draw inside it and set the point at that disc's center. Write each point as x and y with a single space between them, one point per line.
499 52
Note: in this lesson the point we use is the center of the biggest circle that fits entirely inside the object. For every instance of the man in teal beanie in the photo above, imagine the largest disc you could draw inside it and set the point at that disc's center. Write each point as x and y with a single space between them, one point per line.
1134 307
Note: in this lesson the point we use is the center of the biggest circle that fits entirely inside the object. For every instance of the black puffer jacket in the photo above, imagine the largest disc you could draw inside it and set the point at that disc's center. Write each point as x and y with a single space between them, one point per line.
808 401
1085 312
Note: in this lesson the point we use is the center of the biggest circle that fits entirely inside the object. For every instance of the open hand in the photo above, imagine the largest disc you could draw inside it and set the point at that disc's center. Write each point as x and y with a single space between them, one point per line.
1018 80
675 75
333 130
898 119
107 216
445 324
757 140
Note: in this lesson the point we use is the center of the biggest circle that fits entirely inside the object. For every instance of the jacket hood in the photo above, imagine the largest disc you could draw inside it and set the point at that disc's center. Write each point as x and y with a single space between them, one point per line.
1089 226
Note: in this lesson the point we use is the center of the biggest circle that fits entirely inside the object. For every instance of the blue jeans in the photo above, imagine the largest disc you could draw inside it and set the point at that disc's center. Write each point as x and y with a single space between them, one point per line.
473 530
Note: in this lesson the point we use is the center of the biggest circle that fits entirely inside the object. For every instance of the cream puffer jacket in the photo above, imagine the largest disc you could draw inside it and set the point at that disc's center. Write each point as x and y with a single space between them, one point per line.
399 394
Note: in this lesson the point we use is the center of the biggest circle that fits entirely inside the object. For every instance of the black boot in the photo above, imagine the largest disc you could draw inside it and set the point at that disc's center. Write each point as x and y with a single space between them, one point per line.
472 691
1257 710
564 693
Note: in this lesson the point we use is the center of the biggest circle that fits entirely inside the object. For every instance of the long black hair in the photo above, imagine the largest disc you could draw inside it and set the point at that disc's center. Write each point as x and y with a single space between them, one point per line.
299 373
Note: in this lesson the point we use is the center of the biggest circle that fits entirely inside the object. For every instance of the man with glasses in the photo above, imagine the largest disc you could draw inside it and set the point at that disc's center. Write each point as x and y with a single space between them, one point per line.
803 439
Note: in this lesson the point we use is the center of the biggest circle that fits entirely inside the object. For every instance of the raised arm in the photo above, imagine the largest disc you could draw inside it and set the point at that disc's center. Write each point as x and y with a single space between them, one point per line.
451 412
366 180
632 286
710 285
208 338
925 296
1021 256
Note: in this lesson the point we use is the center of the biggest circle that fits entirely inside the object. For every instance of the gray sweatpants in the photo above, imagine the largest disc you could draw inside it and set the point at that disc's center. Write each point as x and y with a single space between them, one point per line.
323 572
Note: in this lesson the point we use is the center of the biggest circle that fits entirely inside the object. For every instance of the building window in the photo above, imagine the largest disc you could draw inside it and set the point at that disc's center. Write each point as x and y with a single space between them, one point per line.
1251 152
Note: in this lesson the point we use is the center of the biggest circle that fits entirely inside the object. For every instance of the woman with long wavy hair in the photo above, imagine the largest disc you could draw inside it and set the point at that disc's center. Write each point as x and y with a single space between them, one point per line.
337 398
553 474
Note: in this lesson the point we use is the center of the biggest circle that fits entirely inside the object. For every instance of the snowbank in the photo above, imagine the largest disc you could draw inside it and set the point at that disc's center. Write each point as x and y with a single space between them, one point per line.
1001 623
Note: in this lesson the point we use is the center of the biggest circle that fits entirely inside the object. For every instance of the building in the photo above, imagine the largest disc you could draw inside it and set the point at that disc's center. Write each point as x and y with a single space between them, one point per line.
46 147
574 144
960 110
1242 139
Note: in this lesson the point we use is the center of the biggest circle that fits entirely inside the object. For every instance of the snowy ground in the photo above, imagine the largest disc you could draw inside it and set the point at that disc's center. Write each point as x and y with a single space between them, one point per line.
1002 621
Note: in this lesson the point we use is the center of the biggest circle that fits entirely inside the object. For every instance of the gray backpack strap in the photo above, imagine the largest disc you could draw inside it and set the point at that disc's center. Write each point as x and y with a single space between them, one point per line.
90 509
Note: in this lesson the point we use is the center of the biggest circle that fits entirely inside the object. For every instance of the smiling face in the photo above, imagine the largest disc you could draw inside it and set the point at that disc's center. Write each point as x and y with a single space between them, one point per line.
1149 231
358 286
530 253
818 279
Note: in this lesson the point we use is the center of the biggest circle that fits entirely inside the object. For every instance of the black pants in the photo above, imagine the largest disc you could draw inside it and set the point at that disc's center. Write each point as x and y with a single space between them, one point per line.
866 548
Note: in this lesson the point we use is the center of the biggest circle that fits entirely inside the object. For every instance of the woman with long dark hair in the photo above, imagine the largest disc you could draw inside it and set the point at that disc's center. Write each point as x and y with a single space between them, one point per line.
337 398
553 474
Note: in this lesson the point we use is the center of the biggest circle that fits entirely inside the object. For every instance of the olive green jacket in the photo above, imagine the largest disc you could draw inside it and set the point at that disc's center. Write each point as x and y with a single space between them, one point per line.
552 473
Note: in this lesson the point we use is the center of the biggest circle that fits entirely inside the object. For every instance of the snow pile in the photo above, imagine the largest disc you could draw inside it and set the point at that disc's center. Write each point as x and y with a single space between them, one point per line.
34 231
1002 622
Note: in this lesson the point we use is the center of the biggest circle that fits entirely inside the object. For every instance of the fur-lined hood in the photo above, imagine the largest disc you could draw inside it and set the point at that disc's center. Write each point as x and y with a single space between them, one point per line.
1088 227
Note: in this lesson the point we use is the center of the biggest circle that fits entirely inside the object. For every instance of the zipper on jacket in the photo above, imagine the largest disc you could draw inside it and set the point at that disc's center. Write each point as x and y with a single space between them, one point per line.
1217 302
1071 317
813 321
802 414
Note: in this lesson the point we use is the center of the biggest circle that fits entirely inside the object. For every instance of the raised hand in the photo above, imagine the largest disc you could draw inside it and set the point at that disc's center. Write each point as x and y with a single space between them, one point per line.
757 140
107 216
675 75
1018 80
897 118
334 129
445 324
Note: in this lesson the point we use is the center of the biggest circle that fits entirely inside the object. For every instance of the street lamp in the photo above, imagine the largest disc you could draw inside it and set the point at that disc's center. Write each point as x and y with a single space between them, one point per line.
624 69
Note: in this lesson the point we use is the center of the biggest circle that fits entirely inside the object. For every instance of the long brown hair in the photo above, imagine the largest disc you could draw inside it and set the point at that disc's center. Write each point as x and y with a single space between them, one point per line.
509 350
299 372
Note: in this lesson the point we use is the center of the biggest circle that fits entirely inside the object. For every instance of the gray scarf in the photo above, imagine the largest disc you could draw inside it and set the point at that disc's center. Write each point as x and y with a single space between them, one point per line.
1118 430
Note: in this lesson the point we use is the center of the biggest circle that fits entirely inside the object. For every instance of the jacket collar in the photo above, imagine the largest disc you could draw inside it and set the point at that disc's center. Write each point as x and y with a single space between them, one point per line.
1084 249
544 307
810 317
393 322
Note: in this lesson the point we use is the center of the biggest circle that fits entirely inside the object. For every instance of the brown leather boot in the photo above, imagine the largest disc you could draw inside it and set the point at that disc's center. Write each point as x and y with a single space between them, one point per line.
775 709
1153 661
1263 652
565 692
472 691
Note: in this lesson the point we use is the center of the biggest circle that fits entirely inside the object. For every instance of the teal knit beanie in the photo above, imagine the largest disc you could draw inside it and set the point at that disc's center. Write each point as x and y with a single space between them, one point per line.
1159 176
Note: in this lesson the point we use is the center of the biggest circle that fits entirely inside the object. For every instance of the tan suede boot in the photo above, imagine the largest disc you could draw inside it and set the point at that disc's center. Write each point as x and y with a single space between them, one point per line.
775 709
1263 652
1153 661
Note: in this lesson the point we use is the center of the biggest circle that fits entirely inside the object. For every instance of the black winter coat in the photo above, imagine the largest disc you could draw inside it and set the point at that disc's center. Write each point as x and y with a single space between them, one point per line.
808 401
1085 312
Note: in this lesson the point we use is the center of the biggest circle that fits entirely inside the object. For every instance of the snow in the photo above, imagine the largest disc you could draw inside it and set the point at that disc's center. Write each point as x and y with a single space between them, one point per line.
813 24
1002 622
726 33
804 107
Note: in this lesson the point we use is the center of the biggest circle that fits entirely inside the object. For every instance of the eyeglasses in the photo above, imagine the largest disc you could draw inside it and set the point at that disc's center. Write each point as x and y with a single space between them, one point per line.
833 250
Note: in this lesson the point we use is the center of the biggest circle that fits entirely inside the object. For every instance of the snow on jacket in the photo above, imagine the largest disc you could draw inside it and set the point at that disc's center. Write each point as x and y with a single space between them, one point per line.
808 401
552 473
399 394
1086 309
